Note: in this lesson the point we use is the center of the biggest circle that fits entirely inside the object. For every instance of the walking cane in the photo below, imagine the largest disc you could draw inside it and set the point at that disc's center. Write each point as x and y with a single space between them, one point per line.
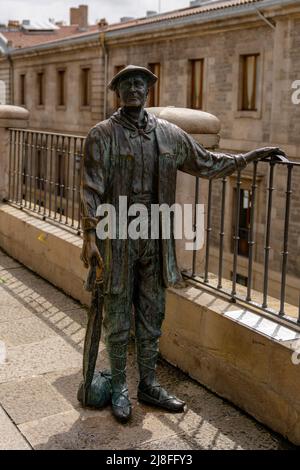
94 283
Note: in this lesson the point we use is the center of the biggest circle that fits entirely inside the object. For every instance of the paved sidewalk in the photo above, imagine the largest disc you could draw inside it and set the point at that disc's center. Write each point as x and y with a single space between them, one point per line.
41 342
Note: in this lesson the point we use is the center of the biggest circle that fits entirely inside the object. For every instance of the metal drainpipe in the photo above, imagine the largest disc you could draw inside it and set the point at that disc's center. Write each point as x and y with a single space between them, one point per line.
105 52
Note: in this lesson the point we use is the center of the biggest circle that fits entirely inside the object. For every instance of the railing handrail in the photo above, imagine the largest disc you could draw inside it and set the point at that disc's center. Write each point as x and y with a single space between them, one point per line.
48 133
44 177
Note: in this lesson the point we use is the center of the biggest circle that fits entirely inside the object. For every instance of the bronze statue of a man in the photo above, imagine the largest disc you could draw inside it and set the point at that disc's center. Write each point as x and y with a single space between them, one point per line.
136 155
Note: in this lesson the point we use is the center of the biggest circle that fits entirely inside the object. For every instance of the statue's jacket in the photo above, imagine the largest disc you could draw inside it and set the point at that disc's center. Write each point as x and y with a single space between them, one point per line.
107 172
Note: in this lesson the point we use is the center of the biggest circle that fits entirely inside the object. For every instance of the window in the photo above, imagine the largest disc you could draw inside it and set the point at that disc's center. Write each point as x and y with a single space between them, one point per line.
22 89
117 102
250 71
240 279
244 221
61 88
154 92
196 99
85 86
40 89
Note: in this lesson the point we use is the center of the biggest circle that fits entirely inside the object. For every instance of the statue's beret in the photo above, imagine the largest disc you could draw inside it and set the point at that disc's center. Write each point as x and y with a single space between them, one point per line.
129 70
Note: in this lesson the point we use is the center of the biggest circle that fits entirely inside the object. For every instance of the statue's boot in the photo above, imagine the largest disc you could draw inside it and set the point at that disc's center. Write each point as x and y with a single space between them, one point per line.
149 390
121 405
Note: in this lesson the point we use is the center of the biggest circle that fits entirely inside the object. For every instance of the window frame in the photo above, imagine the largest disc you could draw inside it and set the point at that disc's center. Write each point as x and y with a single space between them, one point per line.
117 103
22 89
155 90
88 86
238 76
39 104
192 63
59 88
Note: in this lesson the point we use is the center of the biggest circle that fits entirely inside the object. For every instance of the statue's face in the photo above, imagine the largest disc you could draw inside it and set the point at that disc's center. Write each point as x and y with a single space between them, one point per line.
133 90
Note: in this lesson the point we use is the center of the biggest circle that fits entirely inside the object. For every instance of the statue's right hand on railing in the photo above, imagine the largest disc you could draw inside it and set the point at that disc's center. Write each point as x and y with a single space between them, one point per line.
269 154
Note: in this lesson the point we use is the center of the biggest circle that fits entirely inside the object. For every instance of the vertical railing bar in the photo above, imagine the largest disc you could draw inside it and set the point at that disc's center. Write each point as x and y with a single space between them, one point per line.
74 181
45 174
18 167
50 176
31 168
208 231
55 177
27 151
222 234
23 160
20 188
195 223
268 234
68 180
78 189
11 140
35 168
251 241
14 167
236 233
285 238
40 179
62 186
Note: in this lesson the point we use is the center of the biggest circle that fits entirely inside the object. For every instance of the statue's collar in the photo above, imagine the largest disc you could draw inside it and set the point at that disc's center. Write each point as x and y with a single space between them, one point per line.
122 118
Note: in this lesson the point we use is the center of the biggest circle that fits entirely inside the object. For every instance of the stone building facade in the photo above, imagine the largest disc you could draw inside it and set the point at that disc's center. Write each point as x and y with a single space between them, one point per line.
244 46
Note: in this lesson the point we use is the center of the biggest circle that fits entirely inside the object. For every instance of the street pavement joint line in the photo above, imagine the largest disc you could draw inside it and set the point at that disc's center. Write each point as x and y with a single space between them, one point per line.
15 424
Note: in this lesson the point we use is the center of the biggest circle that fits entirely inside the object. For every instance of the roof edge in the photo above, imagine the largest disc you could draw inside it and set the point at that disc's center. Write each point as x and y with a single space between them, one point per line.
218 14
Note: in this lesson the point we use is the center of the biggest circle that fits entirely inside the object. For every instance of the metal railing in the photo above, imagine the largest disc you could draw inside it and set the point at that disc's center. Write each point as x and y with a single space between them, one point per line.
44 174
217 281
44 177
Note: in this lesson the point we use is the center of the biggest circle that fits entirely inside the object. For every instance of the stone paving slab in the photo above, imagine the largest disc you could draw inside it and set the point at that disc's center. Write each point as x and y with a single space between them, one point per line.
39 358
10 311
10 436
24 331
42 331
27 287
30 399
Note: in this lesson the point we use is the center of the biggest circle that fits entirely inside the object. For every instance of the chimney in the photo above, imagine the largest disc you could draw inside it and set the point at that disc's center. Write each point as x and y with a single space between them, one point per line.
13 25
151 13
79 16
124 19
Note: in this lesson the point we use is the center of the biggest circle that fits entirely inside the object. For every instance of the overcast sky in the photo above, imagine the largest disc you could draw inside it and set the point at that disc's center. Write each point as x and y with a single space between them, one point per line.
112 10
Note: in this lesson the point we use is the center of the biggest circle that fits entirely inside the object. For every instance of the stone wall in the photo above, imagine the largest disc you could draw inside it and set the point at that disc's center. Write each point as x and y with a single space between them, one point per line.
71 118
